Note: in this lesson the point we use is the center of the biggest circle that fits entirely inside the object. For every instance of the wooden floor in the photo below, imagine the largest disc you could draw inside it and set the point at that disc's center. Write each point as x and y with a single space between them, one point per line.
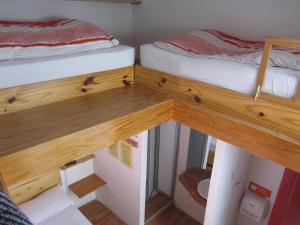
155 204
98 214
172 216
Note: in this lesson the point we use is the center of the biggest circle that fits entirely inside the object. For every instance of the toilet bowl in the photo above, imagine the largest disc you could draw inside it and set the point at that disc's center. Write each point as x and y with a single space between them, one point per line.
203 188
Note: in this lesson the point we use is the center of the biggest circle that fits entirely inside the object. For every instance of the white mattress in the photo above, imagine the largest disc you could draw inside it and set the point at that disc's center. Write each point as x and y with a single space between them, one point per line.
235 76
27 71
69 216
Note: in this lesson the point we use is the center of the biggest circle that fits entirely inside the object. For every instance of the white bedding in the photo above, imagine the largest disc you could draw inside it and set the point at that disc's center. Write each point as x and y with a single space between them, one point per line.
53 207
69 216
27 71
235 76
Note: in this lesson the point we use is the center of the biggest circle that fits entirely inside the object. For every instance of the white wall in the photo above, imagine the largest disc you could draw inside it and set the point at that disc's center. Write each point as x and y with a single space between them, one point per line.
75 173
269 175
229 177
156 19
124 192
114 17
254 19
182 197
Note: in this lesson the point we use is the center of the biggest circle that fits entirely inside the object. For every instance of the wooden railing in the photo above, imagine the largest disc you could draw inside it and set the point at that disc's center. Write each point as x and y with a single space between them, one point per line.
269 43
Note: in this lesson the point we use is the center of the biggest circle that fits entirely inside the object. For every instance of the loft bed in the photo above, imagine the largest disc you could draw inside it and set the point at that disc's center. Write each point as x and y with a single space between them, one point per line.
189 79
59 60
47 124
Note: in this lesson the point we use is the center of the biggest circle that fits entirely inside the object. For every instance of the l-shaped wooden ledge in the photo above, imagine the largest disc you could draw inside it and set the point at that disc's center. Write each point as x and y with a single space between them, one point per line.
57 122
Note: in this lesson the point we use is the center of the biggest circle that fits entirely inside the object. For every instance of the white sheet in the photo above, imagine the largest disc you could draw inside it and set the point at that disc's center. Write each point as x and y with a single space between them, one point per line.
46 204
27 71
69 216
235 76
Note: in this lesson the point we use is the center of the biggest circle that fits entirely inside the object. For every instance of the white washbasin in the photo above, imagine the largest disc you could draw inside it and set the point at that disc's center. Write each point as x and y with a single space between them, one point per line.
203 188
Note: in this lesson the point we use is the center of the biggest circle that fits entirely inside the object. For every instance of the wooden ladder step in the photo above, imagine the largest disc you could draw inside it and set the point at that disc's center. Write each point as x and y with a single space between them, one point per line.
87 185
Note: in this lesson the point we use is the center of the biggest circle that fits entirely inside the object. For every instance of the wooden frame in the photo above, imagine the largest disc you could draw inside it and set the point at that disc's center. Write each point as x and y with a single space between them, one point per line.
33 95
45 125
269 43
272 118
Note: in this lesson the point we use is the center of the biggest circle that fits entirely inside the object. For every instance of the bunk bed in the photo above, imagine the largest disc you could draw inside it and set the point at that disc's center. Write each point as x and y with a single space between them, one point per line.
48 123
53 61
267 100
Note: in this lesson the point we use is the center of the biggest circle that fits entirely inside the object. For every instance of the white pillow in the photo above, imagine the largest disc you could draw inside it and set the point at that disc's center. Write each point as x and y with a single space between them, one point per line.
46 205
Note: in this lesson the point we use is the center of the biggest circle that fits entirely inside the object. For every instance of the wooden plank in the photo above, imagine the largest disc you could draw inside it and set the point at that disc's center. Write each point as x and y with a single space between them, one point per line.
278 120
291 103
284 42
190 180
29 96
61 132
297 96
155 204
87 185
246 136
172 215
98 214
262 69
35 186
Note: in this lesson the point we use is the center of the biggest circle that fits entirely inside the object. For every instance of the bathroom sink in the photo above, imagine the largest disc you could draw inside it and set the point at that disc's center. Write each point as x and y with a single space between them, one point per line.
203 188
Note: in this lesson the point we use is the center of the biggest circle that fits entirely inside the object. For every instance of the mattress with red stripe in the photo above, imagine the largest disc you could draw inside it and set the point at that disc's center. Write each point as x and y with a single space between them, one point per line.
27 39
213 44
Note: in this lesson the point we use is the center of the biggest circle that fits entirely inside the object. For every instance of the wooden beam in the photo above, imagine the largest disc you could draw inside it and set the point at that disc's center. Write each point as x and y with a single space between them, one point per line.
280 121
28 96
297 96
262 69
237 132
34 187
284 42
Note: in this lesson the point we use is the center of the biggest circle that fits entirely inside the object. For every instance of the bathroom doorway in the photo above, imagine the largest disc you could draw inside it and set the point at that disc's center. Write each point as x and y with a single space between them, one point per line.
161 167
201 150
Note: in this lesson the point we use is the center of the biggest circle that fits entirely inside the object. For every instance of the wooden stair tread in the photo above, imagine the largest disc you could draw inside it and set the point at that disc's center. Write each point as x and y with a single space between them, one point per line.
98 214
190 180
87 185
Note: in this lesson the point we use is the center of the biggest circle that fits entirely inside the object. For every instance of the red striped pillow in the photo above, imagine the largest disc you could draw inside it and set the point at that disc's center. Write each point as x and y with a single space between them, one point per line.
26 39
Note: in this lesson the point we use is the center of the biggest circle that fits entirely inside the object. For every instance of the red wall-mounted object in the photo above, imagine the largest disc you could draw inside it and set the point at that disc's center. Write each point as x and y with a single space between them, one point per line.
286 210
259 190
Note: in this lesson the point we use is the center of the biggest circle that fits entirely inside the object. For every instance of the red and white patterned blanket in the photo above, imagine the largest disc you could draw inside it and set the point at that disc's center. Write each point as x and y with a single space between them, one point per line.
19 39
218 45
